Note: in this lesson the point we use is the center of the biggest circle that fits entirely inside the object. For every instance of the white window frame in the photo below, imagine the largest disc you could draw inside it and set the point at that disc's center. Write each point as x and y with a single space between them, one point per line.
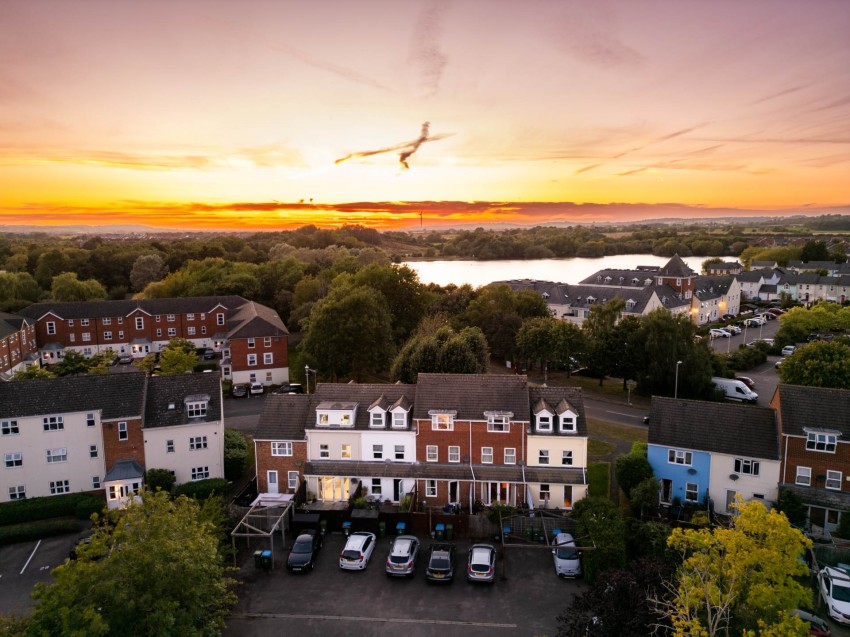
377 486
377 452
140 322
18 492
747 466
14 459
91 421
107 336
454 453
499 423
543 456
9 428
170 318
376 419
58 487
430 488
267 341
566 458
486 455
51 328
169 446
93 452
821 442
196 409
252 360
200 473
123 432
283 448
252 343
833 478
432 453
510 455
60 454
172 332
196 443
399 452
292 480
803 477
399 420
694 491
53 423
544 422
268 358
324 451
680 457
442 422
568 424
95 482
219 318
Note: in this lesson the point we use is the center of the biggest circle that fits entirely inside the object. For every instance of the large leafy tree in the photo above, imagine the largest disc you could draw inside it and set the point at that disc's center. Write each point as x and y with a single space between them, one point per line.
147 269
32 371
72 363
821 364
177 357
67 287
600 525
734 579
208 277
604 346
442 350
349 333
161 573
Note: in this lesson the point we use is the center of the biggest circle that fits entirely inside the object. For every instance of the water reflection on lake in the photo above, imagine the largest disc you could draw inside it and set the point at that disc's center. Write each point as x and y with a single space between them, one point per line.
478 273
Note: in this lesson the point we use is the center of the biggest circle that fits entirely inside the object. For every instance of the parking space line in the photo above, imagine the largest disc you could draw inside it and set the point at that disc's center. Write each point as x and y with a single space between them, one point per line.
387 620
30 557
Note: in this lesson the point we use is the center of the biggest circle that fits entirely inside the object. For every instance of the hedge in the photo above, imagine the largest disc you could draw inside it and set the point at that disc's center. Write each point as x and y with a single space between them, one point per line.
39 529
80 505
202 489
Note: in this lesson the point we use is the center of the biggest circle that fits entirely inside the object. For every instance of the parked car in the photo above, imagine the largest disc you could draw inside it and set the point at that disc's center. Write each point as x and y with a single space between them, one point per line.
302 557
778 363
817 625
733 329
256 388
481 564
727 317
357 551
441 562
404 551
776 311
239 391
788 350
719 333
735 389
208 354
812 338
754 321
834 586
749 382
826 337
290 388
125 359
567 561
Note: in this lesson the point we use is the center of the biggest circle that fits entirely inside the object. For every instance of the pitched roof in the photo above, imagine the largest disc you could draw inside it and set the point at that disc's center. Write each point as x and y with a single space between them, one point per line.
675 267
802 407
470 395
715 427
167 395
552 396
127 469
10 324
116 395
284 417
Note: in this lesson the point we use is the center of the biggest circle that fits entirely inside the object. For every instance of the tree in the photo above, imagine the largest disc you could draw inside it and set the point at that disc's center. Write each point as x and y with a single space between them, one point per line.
706 265
147 268
32 371
443 351
600 525
794 508
165 555
235 454
72 362
814 251
175 360
604 344
820 364
733 579
632 469
66 287
349 333
160 479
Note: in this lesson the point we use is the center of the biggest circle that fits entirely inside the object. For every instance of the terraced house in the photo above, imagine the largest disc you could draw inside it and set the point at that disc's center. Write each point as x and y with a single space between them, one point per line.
100 433
452 439
18 348
250 339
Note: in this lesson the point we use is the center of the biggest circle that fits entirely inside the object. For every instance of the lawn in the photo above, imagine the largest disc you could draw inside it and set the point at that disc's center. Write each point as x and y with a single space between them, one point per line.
597 479
609 430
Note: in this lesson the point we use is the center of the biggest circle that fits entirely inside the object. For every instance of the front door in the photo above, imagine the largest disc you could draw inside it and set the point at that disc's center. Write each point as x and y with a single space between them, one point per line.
730 500
666 490
272 478
397 490
453 492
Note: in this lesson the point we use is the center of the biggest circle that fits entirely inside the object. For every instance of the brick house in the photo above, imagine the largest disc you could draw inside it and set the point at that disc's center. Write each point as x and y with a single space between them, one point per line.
816 450
250 338
18 347
99 433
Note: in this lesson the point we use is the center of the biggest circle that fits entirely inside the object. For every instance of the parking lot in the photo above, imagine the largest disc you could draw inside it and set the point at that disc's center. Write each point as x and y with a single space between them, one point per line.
525 599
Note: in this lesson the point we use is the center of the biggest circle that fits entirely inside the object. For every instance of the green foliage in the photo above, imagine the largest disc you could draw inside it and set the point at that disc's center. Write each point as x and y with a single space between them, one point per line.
66 287
202 489
793 507
71 363
599 521
710 262
497 512
643 497
32 372
165 555
639 448
647 539
32 531
159 479
632 469
843 530
821 364
147 268
445 351
55 506
744 357
208 277
597 479
17 290
235 454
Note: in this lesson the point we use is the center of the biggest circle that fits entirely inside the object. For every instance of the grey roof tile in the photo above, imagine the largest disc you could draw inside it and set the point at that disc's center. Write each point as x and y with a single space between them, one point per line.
814 407
165 406
470 395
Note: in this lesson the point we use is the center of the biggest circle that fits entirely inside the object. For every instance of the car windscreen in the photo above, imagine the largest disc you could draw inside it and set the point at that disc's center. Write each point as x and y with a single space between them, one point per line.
351 555
302 546
440 563
567 553
840 592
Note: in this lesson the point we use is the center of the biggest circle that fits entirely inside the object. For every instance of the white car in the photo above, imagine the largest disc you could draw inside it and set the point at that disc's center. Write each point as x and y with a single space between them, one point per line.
719 333
256 388
358 549
755 321
788 350
567 561
733 329
834 585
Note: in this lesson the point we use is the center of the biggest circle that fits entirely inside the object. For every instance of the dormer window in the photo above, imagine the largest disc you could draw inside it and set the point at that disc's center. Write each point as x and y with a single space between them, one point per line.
377 419
196 406
568 422
442 421
337 414
345 420
399 419
819 441
323 420
499 422
544 422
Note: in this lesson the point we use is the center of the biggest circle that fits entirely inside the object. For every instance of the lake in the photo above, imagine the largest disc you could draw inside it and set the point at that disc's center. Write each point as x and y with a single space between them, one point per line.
478 273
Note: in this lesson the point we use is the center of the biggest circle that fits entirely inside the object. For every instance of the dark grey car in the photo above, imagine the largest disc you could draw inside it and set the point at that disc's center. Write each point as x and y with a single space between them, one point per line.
302 557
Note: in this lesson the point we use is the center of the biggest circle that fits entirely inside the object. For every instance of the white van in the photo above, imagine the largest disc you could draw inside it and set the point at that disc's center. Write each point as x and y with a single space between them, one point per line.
566 556
736 390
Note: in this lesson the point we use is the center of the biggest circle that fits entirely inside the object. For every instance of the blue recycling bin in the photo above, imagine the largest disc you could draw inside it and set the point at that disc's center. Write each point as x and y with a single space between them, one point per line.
440 531
506 534
400 528
346 528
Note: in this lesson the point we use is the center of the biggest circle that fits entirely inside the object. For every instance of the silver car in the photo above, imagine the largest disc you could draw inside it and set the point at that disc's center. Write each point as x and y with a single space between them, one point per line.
404 551
482 564
567 562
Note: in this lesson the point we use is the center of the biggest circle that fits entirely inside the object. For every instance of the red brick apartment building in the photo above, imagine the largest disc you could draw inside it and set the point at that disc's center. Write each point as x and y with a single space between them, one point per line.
18 347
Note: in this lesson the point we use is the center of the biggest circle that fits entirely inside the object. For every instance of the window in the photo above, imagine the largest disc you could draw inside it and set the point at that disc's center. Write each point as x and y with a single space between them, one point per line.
568 423
267 341
510 455
691 494
121 335
821 442
252 360
499 423
122 431
95 482
543 456
169 446
200 473
172 332
57 455
268 358
486 455
399 420
378 452
70 322
124 490
59 486
345 420
454 454
281 448
120 320
196 409
17 493
544 492
567 458
750 467
345 452
72 337
251 343
197 442
90 420
190 330
158 334
804 476
324 452
430 488
544 422
833 480
158 318
9 428
399 452
54 423
140 323
292 479
675 456
169 318
376 486
442 422
86 337
107 336
15 459
51 328
431 453
92 451
203 329
377 419
203 316
219 319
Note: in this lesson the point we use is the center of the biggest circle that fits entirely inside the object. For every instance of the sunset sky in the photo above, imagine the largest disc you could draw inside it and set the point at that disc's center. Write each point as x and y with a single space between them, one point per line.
234 114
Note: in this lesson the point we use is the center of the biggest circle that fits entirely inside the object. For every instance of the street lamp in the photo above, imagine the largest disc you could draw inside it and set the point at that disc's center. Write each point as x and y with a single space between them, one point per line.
629 394
676 387
307 372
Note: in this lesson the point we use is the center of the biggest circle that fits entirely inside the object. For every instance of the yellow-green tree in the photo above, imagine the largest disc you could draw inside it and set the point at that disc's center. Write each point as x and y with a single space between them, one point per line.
739 580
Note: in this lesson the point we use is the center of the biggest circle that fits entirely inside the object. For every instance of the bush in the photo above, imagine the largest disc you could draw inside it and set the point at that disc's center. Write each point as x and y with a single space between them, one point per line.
235 454
631 470
639 448
497 510
160 479
747 357
55 506
39 529
202 489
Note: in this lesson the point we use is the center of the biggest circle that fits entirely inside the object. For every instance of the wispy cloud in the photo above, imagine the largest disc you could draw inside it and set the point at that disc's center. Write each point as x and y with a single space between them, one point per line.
344 72
425 53
407 148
